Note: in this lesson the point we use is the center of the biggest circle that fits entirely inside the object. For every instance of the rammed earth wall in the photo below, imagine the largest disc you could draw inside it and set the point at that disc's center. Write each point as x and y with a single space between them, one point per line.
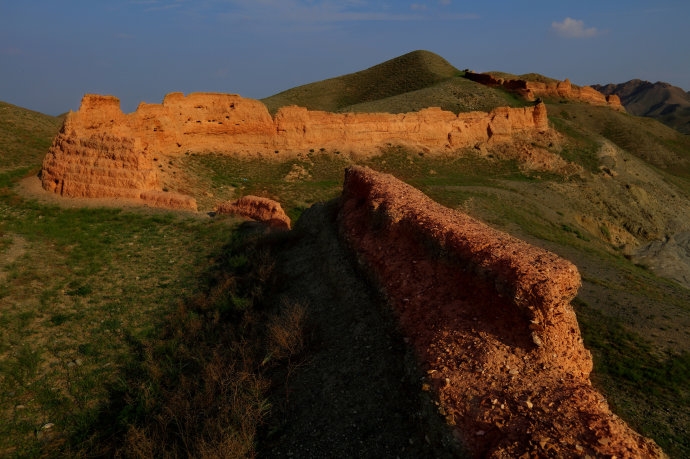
102 152
491 322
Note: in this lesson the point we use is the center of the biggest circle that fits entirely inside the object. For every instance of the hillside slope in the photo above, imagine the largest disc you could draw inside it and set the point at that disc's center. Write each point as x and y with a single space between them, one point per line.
412 71
25 135
662 101
407 83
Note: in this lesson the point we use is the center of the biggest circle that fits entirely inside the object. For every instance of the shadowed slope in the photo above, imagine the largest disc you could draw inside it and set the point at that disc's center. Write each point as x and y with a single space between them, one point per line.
356 392
662 101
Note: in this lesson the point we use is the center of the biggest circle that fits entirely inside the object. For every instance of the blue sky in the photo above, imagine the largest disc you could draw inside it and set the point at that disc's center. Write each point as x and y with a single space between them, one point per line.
52 52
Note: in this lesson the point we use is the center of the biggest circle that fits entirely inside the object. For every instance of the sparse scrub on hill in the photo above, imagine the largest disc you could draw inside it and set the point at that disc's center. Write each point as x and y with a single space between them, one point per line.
199 389
644 138
626 364
296 184
191 383
83 300
526 76
581 149
454 95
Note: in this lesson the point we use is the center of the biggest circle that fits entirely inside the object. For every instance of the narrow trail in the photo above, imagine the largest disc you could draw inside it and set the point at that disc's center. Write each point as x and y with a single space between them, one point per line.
16 248
357 391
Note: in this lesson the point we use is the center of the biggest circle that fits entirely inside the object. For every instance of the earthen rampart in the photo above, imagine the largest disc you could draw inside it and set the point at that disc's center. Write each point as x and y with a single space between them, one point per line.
257 208
531 90
102 152
491 321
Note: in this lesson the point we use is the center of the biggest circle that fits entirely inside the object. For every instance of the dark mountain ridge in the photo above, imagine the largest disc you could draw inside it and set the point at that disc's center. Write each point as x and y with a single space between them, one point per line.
662 101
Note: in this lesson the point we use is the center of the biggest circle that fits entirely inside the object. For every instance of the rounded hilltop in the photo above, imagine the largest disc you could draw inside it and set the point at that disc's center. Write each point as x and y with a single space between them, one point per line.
410 82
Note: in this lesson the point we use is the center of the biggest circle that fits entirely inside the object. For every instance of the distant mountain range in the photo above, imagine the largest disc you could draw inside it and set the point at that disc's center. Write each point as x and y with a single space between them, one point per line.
662 101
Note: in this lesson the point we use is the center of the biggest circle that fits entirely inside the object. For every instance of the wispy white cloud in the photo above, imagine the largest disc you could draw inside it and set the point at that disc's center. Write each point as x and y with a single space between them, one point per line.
573 28
157 5
418 7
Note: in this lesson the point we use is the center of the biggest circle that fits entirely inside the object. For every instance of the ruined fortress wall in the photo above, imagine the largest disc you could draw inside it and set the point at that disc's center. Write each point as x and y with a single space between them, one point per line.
531 90
491 322
102 152
228 123
537 285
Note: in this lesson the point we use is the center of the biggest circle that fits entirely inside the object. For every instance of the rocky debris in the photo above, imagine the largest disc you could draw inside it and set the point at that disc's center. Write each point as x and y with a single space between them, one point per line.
257 208
490 319
531 90
669 257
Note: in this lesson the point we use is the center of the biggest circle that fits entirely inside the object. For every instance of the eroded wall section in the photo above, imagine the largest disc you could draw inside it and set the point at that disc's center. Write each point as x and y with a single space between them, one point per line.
531 90
491 321
102 152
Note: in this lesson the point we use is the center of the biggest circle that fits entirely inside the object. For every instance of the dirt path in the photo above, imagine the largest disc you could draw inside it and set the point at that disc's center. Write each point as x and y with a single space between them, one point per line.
17 248
357 394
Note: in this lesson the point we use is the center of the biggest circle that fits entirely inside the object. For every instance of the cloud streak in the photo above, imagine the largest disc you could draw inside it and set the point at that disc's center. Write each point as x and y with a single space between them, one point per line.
306 11
573 28
317 11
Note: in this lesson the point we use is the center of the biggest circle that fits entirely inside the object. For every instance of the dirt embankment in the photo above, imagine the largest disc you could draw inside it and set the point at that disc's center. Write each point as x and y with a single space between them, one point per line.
257 208
491 322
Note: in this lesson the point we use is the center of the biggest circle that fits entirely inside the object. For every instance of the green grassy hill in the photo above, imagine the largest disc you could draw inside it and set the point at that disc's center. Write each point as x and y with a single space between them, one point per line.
410 82
25 136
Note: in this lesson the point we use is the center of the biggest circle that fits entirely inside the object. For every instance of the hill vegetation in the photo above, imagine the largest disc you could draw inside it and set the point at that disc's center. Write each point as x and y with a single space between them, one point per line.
407 83
25 135
525 76
116 322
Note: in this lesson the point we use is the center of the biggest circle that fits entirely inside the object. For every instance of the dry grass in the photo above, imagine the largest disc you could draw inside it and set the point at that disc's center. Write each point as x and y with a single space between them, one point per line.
198 389
283 330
